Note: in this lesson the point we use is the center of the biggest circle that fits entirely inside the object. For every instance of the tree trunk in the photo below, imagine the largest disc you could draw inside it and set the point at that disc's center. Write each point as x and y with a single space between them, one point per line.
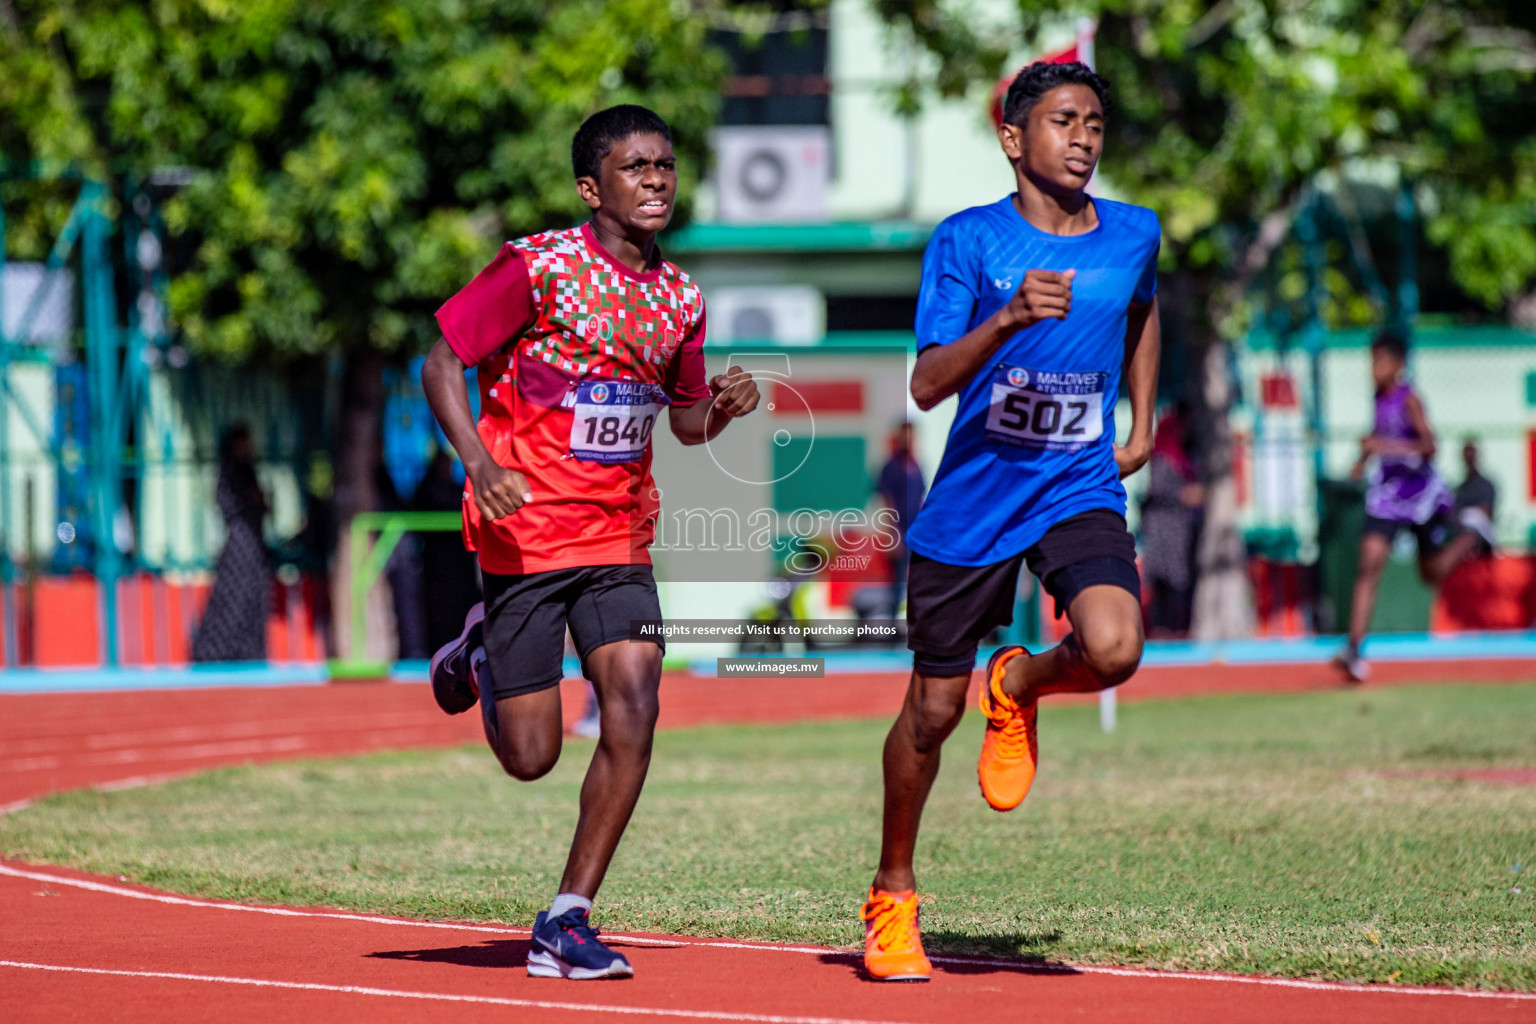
1223 605
1522 311
1195 368
1223 600
359 452
359 437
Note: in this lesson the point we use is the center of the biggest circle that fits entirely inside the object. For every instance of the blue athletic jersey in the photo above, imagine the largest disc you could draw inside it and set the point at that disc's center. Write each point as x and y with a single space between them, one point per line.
1033 439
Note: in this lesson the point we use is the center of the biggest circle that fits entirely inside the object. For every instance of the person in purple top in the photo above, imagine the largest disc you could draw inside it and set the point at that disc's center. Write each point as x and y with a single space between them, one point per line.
1404 492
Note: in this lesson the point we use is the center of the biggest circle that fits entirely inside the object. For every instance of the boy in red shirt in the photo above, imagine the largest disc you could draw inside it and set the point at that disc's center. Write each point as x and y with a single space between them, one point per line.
582 338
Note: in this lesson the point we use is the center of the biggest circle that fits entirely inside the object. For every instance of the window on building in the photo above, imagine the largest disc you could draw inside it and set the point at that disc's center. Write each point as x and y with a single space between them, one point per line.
778 76
871 313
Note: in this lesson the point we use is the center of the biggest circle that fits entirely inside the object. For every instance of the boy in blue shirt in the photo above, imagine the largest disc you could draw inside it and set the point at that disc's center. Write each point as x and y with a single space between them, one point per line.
1030 310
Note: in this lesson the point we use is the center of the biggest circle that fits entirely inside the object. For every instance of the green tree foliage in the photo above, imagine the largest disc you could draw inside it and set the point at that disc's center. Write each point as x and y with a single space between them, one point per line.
1228 115
352 162
1225 112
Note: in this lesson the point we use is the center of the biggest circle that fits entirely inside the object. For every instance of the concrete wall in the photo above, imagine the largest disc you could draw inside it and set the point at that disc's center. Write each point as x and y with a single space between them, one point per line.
28 458
736 475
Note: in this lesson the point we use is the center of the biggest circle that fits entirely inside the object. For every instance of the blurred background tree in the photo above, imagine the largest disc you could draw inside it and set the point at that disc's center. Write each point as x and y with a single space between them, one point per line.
348 163
1225 118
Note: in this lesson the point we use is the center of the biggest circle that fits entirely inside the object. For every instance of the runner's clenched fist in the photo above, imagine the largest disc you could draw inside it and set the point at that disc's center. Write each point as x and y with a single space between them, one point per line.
734 392
1045 294
498 491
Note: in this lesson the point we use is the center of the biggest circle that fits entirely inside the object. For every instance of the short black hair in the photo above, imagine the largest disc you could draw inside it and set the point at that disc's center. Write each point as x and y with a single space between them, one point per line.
1039 78
1393 342
599 133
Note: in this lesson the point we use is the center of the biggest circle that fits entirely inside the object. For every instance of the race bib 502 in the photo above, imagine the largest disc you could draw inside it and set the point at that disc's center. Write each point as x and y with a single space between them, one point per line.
613 419
1054 411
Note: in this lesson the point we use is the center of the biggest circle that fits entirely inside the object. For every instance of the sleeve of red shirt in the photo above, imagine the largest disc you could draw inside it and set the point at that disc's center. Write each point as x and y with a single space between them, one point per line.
686 381
491 310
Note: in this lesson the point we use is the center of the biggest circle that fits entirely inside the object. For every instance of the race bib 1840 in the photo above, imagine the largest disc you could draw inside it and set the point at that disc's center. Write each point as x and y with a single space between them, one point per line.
613 419
1046 409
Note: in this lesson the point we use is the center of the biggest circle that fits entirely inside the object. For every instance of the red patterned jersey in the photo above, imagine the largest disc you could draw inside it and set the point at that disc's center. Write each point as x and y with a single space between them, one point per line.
578 357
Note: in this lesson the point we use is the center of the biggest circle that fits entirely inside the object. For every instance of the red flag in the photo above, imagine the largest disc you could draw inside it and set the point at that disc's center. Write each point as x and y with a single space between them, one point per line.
1081 50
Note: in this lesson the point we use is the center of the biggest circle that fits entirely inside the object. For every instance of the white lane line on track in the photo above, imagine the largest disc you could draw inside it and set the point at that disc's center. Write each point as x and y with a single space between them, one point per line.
233 748
972 961
363 990
183 901
140 781
366 742
131 782
69 743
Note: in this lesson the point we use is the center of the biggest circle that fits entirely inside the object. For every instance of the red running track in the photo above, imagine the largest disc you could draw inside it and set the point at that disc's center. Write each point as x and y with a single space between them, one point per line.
74 947
110 951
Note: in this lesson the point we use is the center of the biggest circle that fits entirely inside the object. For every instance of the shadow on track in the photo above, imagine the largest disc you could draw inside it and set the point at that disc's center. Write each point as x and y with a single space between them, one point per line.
490 953
957 953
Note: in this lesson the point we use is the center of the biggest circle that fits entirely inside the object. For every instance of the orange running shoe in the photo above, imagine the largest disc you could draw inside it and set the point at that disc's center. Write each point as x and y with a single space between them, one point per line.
1010 749
893 945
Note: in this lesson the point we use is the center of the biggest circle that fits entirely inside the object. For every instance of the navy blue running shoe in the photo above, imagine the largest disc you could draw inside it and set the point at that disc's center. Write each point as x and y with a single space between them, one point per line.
453 682
568 947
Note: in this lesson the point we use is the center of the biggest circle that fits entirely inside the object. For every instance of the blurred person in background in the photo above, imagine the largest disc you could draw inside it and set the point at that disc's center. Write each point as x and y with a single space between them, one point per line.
1170 523
1475 500
403 571
901 487
590 725
450 584
315 542
307 553
234 623
1404 492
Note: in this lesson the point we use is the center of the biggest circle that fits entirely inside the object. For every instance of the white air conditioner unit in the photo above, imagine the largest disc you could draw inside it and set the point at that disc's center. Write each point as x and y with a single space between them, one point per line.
773 174
787 314
47 294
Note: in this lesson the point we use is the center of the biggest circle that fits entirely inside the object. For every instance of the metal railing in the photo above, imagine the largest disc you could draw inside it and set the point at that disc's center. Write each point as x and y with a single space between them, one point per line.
369 557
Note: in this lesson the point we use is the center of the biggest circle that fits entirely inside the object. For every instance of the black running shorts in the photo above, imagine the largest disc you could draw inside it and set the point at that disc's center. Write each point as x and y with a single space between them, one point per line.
1432 535
951 608
526 617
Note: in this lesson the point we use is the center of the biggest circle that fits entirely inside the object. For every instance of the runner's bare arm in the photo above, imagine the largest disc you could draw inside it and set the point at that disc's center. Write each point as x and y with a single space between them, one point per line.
731 394
1143 348
498 491
942 370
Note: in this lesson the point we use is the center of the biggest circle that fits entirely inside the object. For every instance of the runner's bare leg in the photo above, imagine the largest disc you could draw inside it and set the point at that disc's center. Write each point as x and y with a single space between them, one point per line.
1102 650
1374 550
627 677
524 731
933 707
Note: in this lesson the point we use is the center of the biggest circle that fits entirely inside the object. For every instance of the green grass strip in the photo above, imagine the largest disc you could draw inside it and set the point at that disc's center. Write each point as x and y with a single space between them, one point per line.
1302 836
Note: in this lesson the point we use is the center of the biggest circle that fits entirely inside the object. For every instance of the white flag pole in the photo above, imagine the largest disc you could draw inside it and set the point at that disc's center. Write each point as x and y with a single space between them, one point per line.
1087 28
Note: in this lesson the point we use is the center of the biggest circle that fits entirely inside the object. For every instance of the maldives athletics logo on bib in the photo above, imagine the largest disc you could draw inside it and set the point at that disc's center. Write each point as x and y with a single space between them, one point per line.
599 394
1053 410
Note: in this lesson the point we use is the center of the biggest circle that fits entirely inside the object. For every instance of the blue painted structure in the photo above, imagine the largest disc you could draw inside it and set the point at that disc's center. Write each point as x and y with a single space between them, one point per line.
1159 654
